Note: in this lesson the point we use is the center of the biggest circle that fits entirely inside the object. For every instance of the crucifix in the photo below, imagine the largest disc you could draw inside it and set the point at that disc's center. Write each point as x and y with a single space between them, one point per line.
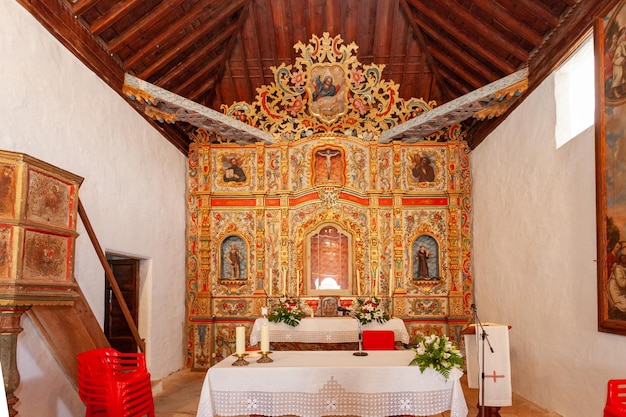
328 154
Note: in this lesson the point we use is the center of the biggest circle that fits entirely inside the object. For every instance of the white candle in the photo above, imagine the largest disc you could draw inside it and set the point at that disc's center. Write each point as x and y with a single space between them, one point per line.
241 340
358 282
391 277
265 338
284 281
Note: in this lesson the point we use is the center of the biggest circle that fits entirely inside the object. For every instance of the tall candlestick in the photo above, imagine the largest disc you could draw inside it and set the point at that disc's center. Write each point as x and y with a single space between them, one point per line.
284 281
391 278
241 340
265 338
358 282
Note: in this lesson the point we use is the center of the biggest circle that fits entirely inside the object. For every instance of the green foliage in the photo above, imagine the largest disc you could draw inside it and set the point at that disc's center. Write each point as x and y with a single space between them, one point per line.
369 310
438 353
287 312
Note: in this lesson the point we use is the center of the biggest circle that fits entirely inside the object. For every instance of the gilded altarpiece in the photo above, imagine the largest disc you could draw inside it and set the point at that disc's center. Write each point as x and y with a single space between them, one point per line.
326 167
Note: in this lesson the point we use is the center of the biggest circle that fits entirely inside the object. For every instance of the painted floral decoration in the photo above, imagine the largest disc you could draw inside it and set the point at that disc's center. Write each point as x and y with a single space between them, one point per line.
438 353
368 310
287 312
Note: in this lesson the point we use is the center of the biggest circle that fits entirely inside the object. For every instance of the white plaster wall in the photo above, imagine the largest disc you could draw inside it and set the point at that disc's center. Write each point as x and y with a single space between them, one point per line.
534 252
55 109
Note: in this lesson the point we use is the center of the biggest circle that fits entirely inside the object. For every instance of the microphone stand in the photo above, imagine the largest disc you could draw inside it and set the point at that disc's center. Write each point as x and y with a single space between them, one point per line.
485 337
360 352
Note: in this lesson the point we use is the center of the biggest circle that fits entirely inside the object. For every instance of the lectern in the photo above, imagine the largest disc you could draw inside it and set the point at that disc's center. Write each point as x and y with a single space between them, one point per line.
488 364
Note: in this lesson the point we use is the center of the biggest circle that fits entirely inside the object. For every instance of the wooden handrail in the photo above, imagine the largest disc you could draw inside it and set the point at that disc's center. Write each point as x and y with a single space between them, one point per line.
111 278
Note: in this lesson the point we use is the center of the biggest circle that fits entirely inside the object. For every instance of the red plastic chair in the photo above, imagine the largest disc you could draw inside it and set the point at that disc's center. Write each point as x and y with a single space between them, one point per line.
616 398
114 384
379 340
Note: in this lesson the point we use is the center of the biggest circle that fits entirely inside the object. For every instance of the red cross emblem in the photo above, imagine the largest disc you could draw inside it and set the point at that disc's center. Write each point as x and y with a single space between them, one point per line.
494 376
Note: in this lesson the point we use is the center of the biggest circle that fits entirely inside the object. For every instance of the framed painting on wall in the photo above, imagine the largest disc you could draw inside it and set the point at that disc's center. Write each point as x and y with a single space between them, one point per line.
610 46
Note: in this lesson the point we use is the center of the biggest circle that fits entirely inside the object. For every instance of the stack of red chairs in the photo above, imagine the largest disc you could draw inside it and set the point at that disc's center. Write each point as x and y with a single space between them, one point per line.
114 384
616 398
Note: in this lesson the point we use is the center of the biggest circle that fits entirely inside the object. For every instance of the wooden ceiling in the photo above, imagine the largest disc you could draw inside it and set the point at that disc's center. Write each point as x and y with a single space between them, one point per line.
218 52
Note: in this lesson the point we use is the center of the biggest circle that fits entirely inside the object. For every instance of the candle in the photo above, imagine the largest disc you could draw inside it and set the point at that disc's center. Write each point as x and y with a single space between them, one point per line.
241 340
358 282
265 338
284 281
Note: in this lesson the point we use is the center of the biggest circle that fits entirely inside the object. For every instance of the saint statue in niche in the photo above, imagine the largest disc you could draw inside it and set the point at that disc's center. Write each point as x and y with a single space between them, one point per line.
426 259
328 166
233 258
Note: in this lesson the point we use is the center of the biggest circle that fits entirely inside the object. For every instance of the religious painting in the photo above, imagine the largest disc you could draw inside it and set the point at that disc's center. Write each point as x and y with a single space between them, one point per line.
234 169
233 259
422 168
46 256
48 200
610 44
328 166
425 259
327 91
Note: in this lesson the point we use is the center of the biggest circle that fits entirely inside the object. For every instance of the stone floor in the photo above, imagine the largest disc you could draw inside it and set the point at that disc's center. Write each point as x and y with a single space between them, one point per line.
178 396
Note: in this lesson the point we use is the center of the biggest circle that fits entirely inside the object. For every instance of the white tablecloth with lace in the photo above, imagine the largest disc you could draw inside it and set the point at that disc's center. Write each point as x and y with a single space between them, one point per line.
318 383
325 330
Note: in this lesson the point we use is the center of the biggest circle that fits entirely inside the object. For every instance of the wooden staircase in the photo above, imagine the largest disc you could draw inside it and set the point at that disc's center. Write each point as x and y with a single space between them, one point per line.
68 331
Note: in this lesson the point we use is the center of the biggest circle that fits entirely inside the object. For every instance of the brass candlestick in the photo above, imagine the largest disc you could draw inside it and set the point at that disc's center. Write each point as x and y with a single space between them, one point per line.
264 358
240 360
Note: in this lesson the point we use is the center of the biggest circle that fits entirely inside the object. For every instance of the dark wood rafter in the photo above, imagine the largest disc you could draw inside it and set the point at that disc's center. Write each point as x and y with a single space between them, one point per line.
81 6
536 8
143 24
509 20
460 37
113 16
424 45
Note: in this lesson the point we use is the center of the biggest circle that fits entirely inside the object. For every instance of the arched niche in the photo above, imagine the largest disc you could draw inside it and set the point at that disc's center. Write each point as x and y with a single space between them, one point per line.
329 259
425 259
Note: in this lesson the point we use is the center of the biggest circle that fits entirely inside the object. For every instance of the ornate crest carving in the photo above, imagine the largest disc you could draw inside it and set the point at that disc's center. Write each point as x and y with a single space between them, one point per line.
327 90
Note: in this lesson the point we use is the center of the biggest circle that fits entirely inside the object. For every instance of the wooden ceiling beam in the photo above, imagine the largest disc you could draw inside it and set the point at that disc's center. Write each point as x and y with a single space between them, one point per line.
189 40
81 6
113 16
143 24
507 18
497 61
449 62
422 42
460 55
537 9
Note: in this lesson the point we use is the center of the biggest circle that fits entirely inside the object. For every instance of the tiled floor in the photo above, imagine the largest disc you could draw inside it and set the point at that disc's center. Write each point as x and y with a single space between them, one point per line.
180 393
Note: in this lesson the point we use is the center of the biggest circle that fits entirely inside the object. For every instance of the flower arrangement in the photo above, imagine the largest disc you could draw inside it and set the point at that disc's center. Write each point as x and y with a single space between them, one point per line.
287 312
368 310
438 353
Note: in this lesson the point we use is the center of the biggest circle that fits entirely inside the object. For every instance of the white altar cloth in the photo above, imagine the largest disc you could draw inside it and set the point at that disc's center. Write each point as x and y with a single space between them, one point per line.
330 382
325 330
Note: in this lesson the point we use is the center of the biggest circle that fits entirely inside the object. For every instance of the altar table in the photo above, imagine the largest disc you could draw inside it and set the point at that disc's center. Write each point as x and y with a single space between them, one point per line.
331 382
325 330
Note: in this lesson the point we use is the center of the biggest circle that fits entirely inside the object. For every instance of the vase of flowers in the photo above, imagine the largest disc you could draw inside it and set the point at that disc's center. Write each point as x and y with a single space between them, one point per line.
287 311
438 353
368 310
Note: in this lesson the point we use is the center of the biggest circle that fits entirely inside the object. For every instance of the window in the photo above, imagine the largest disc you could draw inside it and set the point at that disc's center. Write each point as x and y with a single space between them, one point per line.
575 94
